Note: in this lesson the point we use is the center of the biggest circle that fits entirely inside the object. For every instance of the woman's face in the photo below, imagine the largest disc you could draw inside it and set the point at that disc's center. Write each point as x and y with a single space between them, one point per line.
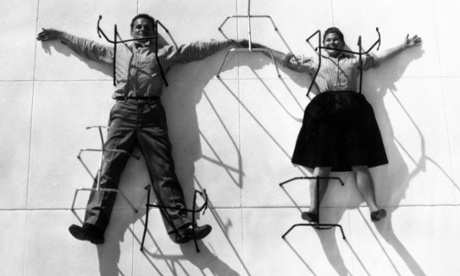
333 41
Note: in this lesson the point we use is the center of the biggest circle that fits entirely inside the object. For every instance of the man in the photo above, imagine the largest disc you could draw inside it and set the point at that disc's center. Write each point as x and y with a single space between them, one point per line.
138 118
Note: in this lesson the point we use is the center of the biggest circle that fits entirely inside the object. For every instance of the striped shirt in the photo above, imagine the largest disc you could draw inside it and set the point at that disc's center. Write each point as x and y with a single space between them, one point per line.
137 71
335 74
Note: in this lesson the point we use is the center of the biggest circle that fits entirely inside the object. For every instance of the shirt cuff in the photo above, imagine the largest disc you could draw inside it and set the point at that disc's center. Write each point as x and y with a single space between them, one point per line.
65 37
287 60
375 60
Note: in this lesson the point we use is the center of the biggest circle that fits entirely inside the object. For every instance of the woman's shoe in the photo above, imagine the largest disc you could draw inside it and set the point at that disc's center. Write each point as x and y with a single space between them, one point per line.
379 214
309 216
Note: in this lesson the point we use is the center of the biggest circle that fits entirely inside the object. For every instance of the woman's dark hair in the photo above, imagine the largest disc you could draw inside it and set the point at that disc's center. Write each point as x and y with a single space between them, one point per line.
145 16
333 30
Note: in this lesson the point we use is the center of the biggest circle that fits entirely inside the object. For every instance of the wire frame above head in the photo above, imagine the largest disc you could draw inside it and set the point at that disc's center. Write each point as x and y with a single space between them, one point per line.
115 42
360 53
250 48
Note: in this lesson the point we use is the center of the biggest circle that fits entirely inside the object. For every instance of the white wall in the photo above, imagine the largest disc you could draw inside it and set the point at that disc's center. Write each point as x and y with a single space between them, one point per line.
232 136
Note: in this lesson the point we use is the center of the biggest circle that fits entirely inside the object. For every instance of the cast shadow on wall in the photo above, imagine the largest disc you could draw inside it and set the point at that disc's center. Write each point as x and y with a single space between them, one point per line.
180 100
396 177
392 180
64 50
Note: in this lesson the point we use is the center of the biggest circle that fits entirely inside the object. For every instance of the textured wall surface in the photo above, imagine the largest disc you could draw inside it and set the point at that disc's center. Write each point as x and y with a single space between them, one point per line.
234 137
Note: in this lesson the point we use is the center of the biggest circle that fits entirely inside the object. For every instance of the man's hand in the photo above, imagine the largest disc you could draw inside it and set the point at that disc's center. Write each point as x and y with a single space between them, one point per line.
48 34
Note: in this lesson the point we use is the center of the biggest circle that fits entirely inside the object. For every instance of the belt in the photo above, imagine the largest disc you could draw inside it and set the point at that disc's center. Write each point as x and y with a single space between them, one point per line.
147 99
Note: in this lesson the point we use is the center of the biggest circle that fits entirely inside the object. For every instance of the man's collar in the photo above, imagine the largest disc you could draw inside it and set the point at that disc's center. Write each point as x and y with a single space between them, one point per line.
139 44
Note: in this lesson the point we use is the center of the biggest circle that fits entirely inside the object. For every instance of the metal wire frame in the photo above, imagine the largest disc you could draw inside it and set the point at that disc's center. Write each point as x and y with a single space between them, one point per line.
319 225
161 206
249 49
98 174
360 53
115 42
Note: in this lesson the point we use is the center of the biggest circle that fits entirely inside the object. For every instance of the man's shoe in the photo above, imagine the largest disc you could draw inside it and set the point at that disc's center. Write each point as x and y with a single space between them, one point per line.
309 216
88 232
186 234
379 214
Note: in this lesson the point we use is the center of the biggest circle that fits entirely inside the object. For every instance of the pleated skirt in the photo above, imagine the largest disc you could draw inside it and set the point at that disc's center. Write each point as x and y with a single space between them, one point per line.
339 130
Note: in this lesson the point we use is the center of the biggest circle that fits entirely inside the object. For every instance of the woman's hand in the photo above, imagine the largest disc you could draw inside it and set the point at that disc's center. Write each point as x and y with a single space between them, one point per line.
48 34
412 41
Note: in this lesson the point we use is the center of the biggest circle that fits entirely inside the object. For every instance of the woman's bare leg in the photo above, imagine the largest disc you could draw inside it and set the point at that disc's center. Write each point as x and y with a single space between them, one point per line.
365 185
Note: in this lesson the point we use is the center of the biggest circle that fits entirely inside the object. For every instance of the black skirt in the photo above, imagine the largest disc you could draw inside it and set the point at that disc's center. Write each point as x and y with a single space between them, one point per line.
339 130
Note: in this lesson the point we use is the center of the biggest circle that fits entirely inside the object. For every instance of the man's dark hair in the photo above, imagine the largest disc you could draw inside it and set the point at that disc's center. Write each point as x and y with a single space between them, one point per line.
145 16
333 30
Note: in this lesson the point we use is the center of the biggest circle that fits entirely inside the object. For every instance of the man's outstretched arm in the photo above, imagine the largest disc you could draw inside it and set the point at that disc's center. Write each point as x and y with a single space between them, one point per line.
83 47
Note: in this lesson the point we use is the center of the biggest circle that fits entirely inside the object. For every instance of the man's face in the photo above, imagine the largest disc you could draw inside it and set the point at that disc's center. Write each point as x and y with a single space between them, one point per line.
333 41
142 28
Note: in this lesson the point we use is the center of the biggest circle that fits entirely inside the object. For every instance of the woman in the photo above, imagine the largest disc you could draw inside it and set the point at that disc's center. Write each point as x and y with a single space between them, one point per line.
339 131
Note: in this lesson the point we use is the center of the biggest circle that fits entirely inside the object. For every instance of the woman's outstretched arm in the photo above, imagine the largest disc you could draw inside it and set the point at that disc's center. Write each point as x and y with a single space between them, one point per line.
394 51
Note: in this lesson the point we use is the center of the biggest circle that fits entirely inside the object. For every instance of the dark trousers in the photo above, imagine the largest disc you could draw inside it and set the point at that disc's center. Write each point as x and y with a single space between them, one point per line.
143 123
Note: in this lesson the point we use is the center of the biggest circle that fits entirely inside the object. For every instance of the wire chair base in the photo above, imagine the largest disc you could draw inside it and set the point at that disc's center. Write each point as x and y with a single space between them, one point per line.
160 206
98 175
319 225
